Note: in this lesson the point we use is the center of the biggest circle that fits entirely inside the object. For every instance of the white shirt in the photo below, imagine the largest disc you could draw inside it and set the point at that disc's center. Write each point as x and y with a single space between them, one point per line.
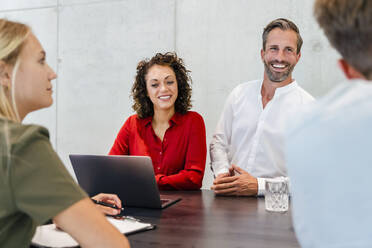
251 136
329 159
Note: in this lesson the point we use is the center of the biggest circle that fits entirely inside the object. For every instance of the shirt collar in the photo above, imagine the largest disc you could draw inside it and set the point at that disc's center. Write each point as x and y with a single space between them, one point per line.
146 121
286 88
176 119
280 90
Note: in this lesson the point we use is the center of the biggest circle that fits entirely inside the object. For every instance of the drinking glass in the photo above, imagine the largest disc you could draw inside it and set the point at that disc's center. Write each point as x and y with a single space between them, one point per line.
276 194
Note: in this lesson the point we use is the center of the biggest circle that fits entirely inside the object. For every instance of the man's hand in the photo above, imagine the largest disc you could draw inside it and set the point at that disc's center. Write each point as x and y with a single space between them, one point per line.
240 183
222 175
227 174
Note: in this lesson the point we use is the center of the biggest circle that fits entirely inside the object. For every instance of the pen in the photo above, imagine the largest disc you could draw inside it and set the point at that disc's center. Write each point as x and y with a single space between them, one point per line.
107 204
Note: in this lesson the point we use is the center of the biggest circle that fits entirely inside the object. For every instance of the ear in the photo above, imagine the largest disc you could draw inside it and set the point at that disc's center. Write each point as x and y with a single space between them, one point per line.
262 54
5 72
348 70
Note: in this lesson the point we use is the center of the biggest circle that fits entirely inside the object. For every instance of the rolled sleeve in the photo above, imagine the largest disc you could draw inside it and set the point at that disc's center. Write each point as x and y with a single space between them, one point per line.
219 146
261 186
41 185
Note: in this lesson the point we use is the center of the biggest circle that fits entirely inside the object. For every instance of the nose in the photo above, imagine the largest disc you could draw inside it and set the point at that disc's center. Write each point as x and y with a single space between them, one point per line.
163 86
280 55
52 74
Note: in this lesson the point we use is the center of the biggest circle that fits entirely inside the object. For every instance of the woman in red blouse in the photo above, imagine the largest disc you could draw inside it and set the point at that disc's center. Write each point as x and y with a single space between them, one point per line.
163 127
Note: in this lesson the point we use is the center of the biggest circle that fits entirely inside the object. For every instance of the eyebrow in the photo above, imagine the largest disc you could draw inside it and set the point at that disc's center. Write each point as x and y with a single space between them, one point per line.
154 79
284 47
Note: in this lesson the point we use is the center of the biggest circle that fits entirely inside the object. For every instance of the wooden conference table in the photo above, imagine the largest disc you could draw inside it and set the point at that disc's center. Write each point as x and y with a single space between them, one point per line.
202 219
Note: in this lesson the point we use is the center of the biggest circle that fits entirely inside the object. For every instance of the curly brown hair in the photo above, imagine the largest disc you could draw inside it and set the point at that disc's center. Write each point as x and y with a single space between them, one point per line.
142 103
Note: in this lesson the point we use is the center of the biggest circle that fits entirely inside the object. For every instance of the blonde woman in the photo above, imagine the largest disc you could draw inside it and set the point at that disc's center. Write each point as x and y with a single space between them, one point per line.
34 184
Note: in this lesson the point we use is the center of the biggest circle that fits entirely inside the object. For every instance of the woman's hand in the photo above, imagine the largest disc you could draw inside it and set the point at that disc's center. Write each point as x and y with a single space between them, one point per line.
111 199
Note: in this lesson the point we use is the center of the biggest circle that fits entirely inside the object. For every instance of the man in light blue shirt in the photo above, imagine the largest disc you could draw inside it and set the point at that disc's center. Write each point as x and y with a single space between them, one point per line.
329 151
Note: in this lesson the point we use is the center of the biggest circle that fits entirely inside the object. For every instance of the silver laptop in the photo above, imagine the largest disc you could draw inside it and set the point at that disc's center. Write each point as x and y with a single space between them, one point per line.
130 177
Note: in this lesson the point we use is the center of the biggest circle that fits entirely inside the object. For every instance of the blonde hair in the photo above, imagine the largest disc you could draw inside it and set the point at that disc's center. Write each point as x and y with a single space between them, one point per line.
347 25
12 39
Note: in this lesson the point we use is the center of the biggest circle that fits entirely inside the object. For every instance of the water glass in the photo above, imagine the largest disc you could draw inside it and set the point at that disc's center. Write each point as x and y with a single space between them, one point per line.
276 195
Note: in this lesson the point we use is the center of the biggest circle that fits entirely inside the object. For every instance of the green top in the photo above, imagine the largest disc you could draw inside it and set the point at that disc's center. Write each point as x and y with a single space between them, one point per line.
34 184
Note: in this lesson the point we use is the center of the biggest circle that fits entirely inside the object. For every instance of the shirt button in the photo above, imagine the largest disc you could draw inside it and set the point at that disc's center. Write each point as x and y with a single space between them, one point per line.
160 153
158 168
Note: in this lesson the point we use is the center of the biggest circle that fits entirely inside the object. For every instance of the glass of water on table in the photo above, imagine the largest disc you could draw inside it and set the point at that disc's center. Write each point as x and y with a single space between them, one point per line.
276 194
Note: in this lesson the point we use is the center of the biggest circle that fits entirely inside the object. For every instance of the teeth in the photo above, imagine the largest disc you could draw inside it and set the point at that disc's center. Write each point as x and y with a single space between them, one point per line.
278 66
164 97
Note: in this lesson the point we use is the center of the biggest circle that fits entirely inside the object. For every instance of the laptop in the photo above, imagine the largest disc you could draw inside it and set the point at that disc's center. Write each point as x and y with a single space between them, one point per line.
130 177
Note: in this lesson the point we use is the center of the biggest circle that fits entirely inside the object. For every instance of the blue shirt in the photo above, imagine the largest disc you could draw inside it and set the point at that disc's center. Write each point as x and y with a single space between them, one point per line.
329 160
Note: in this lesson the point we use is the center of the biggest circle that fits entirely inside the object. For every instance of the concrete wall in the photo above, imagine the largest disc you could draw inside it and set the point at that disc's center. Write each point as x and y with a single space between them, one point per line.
94 46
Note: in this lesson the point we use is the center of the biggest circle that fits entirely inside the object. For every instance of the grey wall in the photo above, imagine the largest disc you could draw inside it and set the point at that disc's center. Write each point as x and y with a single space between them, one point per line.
94 47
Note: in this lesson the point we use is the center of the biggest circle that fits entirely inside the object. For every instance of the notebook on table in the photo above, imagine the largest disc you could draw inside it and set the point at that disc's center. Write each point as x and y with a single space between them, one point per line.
132 178
50 236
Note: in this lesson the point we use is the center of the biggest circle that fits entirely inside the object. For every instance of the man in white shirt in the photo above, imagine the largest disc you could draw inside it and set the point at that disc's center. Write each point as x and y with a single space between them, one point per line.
329 150
248 144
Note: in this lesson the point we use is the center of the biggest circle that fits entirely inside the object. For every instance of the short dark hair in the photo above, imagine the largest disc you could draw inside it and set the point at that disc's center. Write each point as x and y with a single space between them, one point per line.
142 103
348 27
283 24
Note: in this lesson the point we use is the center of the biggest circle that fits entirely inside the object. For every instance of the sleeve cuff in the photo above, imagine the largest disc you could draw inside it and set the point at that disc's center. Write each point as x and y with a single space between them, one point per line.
261 186
158 177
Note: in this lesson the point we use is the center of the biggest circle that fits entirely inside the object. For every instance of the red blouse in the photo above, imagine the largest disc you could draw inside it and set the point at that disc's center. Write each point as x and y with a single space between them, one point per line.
178 161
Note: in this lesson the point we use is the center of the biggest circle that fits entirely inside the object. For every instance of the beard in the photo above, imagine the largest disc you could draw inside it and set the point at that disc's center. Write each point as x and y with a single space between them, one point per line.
278 76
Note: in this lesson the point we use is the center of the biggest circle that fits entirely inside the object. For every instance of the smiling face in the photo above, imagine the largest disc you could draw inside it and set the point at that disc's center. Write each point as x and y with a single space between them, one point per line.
33 88
162 89
280 55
